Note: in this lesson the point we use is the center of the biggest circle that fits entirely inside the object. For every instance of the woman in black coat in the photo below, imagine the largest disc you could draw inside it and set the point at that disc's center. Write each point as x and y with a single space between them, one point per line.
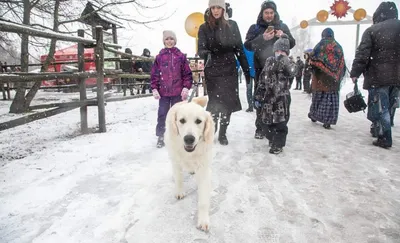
218 44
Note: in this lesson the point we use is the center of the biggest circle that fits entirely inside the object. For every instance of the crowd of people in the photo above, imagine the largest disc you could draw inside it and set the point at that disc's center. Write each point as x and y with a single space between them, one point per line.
265 61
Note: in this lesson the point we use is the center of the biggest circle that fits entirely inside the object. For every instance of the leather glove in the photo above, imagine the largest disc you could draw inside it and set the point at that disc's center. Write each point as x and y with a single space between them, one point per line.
156 95
247 77
184 93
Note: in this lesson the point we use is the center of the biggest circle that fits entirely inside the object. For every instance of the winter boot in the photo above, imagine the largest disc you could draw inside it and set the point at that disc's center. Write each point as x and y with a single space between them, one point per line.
374 130
250 109
215 119
309 116
327 126
258 135
275 150
223 140
381 142
160 142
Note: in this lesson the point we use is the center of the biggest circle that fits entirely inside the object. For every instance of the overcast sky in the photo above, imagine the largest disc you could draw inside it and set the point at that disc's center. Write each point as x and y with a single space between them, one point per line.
245 13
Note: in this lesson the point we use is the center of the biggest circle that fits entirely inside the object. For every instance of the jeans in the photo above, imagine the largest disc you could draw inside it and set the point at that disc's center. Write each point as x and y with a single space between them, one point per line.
249 92
298 83
379 112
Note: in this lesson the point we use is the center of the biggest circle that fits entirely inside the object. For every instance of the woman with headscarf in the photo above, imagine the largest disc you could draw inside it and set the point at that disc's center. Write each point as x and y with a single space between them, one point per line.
219 45
327 61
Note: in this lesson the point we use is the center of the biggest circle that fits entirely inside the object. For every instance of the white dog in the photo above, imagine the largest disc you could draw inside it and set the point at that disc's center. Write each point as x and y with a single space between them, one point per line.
189 139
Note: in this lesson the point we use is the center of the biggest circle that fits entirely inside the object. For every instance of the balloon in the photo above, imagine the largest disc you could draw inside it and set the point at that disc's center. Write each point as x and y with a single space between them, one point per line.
322 16
193 22
360 14
304 24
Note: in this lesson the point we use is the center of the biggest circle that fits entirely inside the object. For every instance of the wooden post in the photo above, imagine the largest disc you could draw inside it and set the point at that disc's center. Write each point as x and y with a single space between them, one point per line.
99 52
117 64
8 90
357 36
82 84
3 91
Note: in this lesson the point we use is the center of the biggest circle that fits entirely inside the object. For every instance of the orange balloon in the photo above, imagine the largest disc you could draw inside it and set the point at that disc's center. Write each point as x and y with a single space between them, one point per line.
304 24
193 22
322 16
360 14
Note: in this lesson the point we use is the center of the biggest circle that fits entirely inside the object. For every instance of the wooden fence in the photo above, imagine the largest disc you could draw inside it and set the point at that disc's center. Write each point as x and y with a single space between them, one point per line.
100 46
81 75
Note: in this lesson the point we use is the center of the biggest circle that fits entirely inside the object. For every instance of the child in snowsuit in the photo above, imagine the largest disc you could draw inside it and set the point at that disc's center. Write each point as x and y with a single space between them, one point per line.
273 95
171 80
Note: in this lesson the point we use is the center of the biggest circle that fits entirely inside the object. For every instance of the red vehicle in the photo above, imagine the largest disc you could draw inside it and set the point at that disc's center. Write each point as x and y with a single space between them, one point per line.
71 54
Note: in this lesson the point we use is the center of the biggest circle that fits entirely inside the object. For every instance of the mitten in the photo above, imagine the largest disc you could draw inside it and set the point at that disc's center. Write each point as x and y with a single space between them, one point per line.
185 93
156 95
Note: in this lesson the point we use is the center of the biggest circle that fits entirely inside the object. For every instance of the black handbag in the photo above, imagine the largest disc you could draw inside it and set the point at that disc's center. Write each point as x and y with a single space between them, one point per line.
355 101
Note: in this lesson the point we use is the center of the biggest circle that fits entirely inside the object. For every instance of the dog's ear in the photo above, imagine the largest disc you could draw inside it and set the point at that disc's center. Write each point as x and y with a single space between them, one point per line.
209 129
171 120
201 101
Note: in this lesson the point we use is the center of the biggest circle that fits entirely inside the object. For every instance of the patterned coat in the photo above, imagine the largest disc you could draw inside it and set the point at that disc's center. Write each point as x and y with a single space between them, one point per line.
273 89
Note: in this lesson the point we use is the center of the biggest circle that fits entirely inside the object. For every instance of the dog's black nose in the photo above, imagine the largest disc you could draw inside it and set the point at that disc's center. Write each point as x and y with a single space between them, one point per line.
189 139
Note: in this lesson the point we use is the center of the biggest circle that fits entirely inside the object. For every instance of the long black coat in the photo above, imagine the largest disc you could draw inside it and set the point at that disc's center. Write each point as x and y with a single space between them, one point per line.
218 47
378 55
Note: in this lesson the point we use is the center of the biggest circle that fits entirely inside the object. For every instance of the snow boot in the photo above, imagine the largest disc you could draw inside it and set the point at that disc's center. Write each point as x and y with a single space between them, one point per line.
160 142
258 135
275 150
381 142
327 126
223 140
250 109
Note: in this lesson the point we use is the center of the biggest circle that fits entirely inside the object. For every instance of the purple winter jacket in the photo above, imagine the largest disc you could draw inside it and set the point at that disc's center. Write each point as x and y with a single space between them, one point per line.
171 72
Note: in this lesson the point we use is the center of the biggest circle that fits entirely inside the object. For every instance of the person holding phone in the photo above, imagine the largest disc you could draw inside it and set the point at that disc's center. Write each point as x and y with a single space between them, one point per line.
260 39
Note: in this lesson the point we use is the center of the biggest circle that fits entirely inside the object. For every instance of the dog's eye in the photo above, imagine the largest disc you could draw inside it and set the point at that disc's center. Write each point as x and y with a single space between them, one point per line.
198 121
183 121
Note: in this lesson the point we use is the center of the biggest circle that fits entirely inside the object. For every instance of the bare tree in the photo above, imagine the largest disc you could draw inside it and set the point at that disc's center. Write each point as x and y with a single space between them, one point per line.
63 13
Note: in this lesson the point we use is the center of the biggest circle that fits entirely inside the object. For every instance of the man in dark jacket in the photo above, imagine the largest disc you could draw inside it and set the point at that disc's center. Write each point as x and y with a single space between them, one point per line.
260 39
378 59
145 66
127 67
299 73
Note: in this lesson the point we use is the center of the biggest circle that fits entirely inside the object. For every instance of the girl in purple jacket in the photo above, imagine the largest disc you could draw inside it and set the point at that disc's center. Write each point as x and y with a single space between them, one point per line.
171 79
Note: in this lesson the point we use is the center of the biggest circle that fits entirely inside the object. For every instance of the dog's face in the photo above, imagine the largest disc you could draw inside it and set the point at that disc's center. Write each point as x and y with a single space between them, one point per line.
189 124
193 125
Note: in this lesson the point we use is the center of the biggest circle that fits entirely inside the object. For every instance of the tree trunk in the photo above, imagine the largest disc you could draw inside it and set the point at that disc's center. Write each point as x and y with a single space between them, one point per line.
21 102
50 58
18 104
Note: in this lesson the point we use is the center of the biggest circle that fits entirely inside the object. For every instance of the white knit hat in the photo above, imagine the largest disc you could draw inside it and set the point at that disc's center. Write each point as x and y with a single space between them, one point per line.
169 33
220 3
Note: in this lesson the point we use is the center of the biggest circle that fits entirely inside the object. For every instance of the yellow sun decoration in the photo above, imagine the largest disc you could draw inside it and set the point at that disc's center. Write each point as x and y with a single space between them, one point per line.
340 8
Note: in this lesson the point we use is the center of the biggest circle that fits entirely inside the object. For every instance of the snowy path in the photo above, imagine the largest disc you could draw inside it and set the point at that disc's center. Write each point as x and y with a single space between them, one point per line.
327 186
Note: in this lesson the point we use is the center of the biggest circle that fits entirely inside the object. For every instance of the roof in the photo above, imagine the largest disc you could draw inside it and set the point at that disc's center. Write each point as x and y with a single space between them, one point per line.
69 52
94 16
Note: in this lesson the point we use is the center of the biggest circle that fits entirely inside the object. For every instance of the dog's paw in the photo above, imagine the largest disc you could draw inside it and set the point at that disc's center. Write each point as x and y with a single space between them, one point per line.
179 195
203 223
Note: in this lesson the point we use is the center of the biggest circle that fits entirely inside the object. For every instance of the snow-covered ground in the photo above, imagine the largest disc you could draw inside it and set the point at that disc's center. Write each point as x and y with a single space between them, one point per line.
327 186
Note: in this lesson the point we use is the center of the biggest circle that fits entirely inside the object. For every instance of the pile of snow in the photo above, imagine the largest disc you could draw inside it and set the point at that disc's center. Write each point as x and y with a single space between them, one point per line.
327 186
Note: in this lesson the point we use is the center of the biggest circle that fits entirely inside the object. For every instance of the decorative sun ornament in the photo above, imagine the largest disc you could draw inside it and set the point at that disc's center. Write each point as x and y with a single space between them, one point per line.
339 8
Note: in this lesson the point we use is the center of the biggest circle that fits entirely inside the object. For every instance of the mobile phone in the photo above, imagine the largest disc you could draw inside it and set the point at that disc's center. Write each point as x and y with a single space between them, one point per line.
270 28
